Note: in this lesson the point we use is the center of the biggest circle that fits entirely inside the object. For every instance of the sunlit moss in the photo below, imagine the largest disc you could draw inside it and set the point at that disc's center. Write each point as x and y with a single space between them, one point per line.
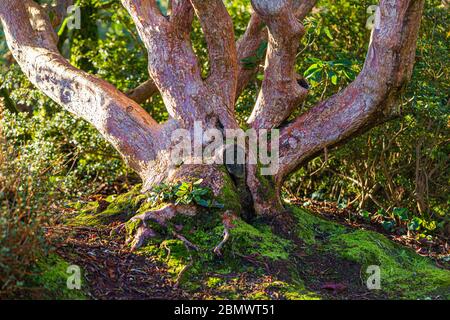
51 275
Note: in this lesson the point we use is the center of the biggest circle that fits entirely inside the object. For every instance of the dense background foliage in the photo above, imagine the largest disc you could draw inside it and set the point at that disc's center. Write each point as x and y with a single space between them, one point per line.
396 175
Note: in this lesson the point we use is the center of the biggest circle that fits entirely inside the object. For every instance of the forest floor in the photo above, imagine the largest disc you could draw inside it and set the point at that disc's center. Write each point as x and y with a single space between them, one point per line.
436 248
112 271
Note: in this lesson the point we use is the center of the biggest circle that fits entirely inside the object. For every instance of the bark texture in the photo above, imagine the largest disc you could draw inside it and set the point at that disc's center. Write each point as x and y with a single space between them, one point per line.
174 71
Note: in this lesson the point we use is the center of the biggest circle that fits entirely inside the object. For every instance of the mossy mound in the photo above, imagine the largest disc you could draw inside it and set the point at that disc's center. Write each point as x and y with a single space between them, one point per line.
256 263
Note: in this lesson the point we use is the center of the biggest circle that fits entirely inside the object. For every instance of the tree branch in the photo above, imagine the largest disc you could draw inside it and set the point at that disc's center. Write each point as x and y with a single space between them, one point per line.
182 15
371 97
253 39
120 120
219 33
280 92
143 92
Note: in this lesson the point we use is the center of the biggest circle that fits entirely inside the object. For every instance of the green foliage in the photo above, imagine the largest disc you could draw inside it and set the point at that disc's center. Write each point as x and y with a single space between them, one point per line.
28 269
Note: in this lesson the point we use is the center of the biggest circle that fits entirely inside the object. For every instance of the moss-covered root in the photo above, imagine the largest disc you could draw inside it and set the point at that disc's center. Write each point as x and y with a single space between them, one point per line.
52 275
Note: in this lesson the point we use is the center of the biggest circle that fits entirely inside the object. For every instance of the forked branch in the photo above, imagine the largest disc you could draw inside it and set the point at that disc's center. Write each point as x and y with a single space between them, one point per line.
367 100
172 64
253 40
219 33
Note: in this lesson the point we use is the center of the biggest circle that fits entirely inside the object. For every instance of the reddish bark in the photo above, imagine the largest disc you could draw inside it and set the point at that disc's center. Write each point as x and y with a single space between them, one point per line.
174 71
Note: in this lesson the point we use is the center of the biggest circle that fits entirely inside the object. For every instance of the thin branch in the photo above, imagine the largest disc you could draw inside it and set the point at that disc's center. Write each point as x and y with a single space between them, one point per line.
143 92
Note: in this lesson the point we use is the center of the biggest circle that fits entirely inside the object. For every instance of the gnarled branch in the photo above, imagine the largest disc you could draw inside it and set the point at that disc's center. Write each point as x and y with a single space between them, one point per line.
219 33
172 65
253 39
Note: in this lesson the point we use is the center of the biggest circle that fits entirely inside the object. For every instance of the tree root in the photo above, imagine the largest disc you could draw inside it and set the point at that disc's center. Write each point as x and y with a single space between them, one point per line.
227 220
160 216
143 233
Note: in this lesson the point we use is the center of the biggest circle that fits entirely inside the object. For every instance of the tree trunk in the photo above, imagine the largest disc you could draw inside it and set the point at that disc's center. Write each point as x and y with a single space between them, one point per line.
174 71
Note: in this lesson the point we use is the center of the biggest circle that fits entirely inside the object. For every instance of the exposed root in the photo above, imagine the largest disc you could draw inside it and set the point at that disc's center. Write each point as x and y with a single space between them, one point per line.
160 216
226 236
117 230
227 219
182 272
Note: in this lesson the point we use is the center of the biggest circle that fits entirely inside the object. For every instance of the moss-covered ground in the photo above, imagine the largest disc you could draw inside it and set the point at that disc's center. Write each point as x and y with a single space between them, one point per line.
324 260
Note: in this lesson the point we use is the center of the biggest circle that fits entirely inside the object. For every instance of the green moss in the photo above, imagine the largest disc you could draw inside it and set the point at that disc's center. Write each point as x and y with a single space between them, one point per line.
293 291
251 247
404 274
171 252
132 226
267 185
213 282
229 196
52 276
258 295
